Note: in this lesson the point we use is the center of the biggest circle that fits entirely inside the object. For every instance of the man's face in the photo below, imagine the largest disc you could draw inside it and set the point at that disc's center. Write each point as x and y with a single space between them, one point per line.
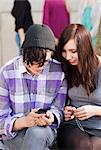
35 69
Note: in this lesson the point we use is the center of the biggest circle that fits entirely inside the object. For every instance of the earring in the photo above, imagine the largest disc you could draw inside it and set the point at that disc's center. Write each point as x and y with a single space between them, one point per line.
29 65
25 62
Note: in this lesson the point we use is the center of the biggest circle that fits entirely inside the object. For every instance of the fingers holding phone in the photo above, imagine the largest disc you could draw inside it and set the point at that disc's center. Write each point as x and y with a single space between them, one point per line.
46 119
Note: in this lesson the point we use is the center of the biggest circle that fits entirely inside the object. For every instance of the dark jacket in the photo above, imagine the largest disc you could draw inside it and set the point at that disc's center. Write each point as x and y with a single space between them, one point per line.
21 11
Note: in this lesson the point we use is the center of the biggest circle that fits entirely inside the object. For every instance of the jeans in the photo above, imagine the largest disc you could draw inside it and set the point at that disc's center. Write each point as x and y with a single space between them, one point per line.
18 43
2 146
35 138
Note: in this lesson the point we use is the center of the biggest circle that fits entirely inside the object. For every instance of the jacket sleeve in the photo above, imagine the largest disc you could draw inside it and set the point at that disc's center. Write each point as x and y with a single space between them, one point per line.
59 103
18 12
6 117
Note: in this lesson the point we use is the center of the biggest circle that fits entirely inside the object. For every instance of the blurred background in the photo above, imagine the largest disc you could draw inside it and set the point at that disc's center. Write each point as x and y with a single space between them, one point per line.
8 46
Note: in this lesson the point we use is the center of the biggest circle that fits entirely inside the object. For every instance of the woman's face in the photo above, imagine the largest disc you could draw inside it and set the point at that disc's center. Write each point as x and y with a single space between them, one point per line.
70 52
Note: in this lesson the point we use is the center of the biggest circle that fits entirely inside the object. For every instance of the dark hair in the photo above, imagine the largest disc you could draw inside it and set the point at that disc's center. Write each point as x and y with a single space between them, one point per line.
87 59
32 54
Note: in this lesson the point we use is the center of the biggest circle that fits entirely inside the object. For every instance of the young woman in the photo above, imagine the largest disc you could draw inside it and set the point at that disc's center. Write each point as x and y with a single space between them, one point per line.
56 15
81 128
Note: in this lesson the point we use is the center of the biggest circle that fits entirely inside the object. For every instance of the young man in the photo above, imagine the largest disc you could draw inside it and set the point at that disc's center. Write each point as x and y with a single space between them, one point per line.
32 93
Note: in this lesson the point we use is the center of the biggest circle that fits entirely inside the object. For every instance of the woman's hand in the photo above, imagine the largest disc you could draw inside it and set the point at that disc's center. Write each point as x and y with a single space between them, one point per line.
85 112
69 112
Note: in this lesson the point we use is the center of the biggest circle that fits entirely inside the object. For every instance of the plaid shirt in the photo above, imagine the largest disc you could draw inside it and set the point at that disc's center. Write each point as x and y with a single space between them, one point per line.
20 92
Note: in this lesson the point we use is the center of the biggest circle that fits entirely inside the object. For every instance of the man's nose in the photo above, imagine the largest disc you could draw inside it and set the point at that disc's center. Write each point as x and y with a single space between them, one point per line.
40 68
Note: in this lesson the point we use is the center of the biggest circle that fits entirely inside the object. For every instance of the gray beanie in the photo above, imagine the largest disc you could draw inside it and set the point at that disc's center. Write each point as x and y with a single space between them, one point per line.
39 36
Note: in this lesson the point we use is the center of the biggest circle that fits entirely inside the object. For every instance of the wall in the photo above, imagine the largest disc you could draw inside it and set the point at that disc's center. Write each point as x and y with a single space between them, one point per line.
8 47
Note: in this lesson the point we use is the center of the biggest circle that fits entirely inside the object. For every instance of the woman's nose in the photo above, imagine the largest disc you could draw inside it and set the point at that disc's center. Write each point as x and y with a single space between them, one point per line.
68 56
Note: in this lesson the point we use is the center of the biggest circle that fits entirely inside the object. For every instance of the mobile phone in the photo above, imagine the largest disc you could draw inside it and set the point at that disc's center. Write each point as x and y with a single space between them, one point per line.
42 111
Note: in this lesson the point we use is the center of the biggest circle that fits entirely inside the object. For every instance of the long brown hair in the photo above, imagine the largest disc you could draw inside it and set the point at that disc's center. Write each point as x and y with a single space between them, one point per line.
87 59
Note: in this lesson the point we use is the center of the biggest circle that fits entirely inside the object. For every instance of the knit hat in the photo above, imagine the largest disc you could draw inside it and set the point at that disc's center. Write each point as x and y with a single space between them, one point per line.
39 36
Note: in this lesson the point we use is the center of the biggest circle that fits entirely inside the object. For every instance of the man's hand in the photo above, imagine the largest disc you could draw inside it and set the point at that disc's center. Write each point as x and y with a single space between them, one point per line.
46 119
32 118
27 121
